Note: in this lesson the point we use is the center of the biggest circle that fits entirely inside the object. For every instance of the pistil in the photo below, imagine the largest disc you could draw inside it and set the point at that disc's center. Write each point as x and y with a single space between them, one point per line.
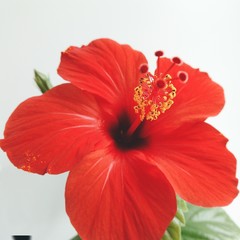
134 126
155 93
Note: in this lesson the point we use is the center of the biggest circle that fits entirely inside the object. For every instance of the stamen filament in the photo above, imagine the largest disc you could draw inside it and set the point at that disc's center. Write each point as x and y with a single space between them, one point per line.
167 71
155 93
175 60
158 54
158 66
134 126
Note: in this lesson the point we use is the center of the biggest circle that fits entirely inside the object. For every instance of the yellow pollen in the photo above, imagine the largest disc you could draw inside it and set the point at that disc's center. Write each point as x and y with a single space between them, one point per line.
30 157
153 96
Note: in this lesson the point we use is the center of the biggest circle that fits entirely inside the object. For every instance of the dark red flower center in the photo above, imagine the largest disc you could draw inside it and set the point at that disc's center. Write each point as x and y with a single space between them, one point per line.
122 139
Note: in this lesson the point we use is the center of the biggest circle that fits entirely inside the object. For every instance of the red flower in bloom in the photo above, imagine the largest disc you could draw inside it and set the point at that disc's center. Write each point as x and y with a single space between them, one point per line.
131 140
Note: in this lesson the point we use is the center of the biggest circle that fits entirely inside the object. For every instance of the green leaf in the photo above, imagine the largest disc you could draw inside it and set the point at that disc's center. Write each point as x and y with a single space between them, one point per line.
42 81
76 238
173 231
209 224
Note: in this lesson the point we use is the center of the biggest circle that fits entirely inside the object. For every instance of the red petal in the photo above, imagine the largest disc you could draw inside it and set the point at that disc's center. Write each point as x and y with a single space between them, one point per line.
49 133
119 199
196 100
198 165
104 68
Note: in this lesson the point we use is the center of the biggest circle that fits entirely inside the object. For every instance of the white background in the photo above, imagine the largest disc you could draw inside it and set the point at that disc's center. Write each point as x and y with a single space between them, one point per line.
203 33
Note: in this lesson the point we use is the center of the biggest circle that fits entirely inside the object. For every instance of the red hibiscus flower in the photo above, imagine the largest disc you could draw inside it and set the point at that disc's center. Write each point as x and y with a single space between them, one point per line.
132 140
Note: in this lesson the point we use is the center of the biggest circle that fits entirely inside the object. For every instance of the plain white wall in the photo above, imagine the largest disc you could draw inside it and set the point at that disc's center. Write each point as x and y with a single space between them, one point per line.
204 33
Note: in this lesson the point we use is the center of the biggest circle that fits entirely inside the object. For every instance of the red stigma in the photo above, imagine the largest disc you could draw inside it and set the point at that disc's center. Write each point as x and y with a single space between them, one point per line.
161 84
143 68
177 60
159 53
183 76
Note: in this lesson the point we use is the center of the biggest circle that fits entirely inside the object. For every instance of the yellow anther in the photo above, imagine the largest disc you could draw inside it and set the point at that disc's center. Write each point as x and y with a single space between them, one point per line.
153 96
